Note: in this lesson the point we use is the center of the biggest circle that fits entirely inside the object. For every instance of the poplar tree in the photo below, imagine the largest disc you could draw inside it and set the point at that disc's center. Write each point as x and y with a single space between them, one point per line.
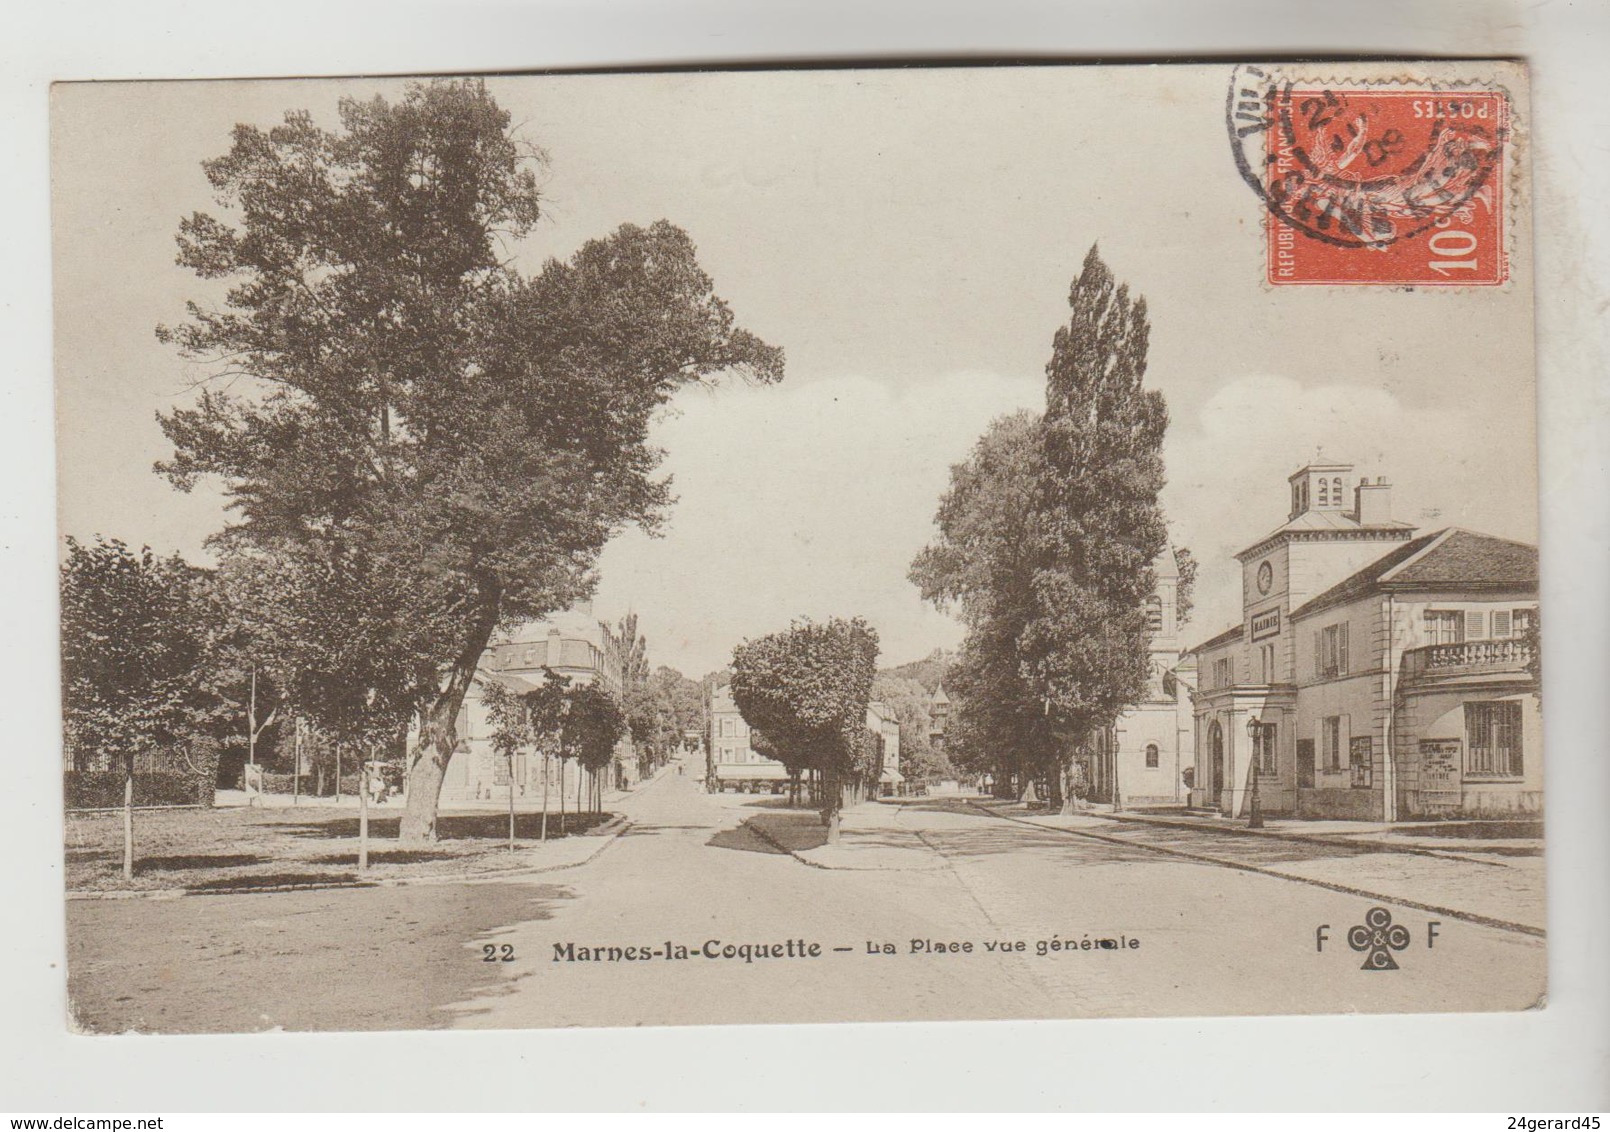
1085 647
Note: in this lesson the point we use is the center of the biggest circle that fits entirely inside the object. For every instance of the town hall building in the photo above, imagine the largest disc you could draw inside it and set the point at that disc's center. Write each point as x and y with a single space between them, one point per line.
1377 673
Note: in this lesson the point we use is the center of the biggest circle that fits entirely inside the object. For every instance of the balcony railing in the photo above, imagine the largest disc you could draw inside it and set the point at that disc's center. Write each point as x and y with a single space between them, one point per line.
1466 658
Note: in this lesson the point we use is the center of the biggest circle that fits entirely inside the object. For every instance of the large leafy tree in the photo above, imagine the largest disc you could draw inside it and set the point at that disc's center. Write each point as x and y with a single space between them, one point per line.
133 654
678 706
983 565
807 690
406 422
1100 527
668 704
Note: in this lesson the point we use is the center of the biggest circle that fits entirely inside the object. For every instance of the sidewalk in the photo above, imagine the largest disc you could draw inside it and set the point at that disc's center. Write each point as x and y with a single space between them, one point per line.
1500 891
1437 838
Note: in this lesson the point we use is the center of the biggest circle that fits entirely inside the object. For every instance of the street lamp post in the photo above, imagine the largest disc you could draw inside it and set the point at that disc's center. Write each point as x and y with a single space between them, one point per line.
1255 809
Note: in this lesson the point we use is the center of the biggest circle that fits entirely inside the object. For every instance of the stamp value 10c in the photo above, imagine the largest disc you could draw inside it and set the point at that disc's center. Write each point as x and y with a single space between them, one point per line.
1372 186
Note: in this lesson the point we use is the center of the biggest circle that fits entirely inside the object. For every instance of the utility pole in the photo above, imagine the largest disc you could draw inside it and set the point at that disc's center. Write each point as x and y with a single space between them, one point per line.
251 740
1117 794
1255 807
545 768
253 730
363 814
511 799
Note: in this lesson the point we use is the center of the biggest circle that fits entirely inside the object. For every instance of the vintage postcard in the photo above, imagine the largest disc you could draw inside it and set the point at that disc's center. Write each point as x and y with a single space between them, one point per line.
817 545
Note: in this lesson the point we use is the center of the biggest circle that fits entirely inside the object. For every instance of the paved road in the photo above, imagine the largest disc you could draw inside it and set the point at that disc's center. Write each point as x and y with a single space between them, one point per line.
1212 940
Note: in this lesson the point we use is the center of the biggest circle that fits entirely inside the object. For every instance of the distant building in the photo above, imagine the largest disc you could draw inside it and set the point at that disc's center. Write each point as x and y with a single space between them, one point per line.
1376 674
573 644
735 764
882 723
1150 745
939 716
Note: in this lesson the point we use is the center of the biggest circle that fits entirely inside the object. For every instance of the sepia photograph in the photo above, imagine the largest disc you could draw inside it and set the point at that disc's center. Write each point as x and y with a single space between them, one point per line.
823 545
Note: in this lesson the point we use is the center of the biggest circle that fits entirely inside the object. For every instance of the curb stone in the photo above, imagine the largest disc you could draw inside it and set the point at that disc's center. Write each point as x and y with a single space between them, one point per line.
748 823
1308 838
609 832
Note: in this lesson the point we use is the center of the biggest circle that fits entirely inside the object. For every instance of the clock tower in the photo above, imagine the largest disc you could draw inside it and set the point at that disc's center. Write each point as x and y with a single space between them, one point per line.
1338 524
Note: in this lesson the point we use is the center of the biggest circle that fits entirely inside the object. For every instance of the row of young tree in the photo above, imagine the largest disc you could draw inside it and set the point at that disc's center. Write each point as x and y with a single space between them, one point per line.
557 720
158 658
1047 537
161 667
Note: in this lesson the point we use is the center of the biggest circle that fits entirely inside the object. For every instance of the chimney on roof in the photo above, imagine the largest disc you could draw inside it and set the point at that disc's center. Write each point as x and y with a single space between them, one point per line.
1372 502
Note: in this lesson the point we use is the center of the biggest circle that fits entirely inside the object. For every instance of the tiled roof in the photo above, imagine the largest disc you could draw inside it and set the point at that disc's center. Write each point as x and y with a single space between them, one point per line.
513 683
1452 559
1471 558
1233 633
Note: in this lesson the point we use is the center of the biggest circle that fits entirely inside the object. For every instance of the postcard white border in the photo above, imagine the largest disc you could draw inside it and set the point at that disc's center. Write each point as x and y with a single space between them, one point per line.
1552 1060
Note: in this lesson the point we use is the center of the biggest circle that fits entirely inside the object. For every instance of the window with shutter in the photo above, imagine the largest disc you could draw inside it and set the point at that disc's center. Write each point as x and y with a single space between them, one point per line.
1501 623
1444 627
1475 625
1341 648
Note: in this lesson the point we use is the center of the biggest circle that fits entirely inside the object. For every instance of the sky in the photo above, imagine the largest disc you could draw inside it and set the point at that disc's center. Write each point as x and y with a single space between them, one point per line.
908 237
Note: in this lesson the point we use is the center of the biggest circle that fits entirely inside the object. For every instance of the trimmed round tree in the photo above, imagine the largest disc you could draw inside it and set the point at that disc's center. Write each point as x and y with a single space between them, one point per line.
807 690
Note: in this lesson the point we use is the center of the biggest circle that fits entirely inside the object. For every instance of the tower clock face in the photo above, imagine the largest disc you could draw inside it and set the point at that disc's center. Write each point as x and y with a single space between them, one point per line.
1266 577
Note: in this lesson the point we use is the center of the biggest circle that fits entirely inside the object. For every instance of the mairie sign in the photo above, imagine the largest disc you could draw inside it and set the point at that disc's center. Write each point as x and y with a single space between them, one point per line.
1266 624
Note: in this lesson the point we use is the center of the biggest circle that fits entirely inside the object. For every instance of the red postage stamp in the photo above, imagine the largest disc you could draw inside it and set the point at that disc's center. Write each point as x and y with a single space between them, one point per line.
1375 186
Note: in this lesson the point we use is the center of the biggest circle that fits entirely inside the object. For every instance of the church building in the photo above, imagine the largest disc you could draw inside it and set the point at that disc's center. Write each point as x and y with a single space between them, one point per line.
1150 747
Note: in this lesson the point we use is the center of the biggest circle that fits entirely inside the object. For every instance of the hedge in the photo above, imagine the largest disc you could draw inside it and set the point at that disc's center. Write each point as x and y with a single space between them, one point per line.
103 789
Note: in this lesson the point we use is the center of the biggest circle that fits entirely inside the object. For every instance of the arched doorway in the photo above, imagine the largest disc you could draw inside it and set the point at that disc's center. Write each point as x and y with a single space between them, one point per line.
1215 763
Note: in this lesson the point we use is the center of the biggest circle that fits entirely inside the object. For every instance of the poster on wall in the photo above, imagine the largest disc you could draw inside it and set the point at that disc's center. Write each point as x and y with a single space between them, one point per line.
1441 783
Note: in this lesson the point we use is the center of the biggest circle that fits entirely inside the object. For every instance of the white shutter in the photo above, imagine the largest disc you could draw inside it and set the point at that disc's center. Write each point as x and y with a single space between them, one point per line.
1501 623
1475 626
